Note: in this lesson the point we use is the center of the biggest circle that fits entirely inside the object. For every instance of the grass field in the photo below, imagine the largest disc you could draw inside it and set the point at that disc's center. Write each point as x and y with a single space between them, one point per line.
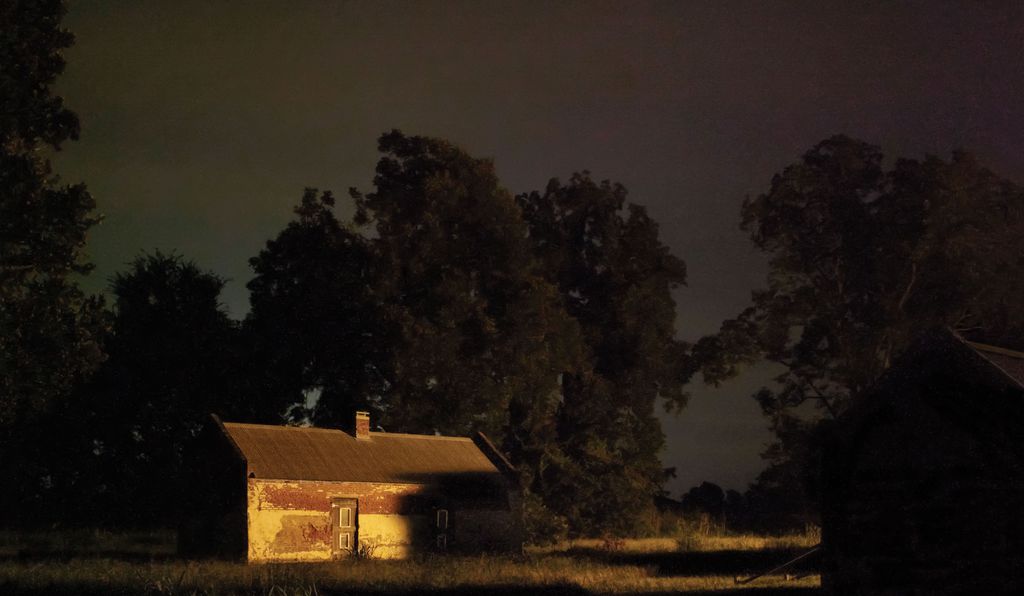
99 563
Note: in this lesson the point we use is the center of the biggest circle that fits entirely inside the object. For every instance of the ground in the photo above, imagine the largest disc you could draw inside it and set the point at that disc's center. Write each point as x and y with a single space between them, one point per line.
94 563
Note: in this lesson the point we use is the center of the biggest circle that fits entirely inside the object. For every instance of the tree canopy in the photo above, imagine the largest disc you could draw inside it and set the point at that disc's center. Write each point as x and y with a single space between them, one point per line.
863 259
48 328
315 323
174 358
449 305
50 331
478 327
615 278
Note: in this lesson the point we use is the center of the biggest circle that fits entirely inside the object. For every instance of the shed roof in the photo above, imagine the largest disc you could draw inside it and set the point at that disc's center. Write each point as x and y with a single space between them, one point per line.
307 453
977 388
1010 362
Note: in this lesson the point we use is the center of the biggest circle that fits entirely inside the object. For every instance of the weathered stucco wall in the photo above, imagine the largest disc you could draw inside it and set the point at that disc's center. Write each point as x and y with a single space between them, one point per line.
291 520
388 536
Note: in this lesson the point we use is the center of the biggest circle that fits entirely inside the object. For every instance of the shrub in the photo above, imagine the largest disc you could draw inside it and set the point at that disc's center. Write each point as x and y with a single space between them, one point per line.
541 526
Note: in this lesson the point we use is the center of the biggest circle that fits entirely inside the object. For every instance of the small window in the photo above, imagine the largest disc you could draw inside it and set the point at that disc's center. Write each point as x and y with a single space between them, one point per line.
345 517
442 541
442 519
343 541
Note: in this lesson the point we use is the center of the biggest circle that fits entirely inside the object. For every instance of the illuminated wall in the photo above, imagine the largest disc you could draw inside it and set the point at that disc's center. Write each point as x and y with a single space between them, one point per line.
292 521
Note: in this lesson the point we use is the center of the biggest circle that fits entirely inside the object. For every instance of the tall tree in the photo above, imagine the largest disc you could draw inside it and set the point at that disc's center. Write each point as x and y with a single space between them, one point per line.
462 308
50 332
48 328
481 335
316 324
173 359
615 279
862 260
435 316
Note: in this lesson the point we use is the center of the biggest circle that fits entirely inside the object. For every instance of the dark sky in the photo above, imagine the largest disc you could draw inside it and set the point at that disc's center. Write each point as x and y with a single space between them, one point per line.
203 122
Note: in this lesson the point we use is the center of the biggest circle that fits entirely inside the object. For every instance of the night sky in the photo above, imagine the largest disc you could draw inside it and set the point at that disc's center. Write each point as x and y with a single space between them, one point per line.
203 121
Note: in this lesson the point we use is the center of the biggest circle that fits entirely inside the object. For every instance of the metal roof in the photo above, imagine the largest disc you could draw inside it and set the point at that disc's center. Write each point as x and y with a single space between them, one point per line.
1010 362
976 388
307 453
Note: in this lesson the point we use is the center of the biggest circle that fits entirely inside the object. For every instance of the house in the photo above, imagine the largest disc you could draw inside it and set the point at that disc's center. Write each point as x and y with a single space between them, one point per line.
923 484
286 493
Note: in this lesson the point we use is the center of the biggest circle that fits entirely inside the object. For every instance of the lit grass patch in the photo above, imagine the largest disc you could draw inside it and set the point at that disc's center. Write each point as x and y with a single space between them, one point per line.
582 567
742 542
693 542
104 576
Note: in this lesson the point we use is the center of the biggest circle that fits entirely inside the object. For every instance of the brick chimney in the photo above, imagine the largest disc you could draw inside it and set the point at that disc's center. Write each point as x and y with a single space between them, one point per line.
362 425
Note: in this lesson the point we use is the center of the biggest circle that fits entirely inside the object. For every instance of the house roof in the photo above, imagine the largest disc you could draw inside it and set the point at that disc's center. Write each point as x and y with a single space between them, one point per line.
306 453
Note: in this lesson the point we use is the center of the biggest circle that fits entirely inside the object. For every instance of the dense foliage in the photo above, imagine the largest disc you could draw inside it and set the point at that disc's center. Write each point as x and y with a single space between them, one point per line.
448 305
863 259
47 326
50 331
114 452
173 359
614 277
315 324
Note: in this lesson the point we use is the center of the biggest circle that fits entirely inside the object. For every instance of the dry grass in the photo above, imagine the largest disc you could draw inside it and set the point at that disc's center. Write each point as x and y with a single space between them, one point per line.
648 566
88 542
699 543
721 542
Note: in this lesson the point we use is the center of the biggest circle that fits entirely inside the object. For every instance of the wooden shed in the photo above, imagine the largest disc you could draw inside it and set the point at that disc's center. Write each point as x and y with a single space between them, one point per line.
923 486
286 493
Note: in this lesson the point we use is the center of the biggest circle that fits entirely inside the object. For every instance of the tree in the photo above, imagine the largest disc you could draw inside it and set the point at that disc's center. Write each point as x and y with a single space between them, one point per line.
615 279
481 337
50 332
48 329
482 340
316 323
479 329
454 307
707 498
862 260
430 310
174 358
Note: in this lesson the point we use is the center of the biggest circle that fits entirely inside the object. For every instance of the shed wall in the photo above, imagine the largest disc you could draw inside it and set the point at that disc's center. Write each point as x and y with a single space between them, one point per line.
291 520
212 517
916 507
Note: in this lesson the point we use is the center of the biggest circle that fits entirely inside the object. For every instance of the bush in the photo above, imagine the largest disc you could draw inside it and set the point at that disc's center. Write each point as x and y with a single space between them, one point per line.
541 526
